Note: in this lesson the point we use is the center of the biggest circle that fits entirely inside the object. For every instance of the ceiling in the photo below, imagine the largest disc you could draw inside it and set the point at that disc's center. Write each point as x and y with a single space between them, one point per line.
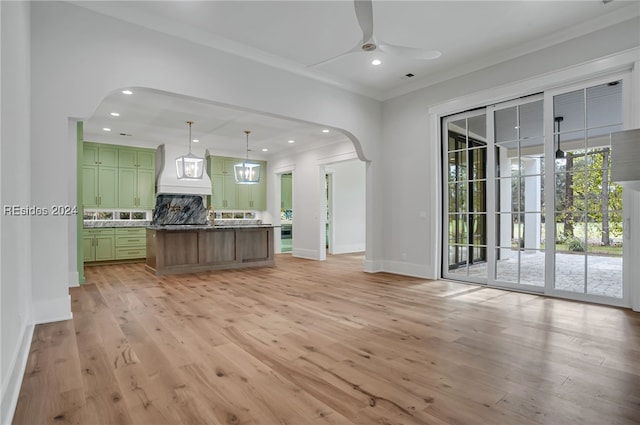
148 118
294 35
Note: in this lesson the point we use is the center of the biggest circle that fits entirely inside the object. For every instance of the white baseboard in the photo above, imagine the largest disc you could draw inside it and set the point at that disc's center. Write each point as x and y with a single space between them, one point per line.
56 310
11 386
408 269
347 249
373 266
310 254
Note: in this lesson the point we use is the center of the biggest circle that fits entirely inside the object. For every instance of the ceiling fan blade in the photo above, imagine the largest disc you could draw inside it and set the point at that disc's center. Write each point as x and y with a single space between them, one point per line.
364 13
355 48
409 52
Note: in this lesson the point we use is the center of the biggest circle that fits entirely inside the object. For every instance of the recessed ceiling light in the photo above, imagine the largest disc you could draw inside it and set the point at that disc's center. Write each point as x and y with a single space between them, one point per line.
106 129
195 140
292 141
325 131
376 62
127 92
265 150
114 114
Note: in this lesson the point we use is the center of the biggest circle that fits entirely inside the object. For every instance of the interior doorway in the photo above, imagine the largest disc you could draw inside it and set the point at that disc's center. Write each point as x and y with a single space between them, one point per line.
286 212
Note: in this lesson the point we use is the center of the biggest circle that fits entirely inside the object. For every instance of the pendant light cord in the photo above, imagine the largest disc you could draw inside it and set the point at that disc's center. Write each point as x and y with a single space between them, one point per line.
189 122
247 132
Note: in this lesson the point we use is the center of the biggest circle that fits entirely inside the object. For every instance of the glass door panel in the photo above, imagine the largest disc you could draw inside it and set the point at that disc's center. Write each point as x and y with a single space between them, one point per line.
465 232
519 193
588 206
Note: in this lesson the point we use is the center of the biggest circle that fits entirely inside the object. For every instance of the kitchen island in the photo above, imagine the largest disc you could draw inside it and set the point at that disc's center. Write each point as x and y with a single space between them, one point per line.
173 249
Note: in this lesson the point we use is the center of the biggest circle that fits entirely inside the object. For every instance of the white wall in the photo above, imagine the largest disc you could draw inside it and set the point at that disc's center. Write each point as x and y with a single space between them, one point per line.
348 208
410 148
15 276
79 56
308 169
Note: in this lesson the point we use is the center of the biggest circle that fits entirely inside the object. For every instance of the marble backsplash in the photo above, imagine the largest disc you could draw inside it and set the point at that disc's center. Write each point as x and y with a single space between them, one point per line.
179 209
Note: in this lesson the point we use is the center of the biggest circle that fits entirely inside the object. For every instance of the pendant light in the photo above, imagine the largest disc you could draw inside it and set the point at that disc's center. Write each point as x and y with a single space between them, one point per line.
247 172
559 152
190 166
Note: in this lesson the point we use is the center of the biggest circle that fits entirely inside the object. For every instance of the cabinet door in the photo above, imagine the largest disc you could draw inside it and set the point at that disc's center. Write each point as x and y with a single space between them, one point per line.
244 196
216 165
105 248
228 165
146 188
88 253
108 156
89 154
107 187
127 187
217 192
258 196
146 159
90 186
230 192
127 158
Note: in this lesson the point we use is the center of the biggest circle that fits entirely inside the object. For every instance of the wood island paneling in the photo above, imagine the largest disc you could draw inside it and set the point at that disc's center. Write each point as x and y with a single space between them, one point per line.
185 249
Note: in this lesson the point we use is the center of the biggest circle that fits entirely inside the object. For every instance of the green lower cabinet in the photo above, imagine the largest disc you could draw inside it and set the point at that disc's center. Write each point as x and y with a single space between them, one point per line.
123 243
98 245
88 252
131 243
105 248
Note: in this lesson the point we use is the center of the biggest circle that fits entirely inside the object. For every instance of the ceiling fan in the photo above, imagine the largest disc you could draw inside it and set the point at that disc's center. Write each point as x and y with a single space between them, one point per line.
369 43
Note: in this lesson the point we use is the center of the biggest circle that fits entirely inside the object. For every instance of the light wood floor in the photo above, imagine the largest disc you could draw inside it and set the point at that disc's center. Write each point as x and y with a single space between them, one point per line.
310 342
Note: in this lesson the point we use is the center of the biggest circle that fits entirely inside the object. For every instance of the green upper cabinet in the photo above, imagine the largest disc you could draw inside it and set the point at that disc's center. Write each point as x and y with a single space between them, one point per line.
146 186
227 194
96 154
107 187
99 186
224 192
252 196
136 188
117 177
136 158
90 186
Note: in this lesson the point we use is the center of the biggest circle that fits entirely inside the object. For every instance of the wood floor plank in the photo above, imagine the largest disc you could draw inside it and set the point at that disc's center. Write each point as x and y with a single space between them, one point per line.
309 342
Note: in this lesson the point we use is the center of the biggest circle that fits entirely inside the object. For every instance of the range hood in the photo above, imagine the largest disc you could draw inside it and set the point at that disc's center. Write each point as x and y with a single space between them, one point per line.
167 182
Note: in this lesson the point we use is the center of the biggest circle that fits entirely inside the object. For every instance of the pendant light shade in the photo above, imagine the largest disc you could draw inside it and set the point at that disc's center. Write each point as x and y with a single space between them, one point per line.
189 166
247 172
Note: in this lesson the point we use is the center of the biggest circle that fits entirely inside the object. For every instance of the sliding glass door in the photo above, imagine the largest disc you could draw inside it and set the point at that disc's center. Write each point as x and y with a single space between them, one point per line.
466 203
529 203
588 206
519 158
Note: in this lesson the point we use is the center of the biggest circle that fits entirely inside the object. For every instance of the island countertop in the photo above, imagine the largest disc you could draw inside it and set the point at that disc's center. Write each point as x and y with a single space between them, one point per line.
187 227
